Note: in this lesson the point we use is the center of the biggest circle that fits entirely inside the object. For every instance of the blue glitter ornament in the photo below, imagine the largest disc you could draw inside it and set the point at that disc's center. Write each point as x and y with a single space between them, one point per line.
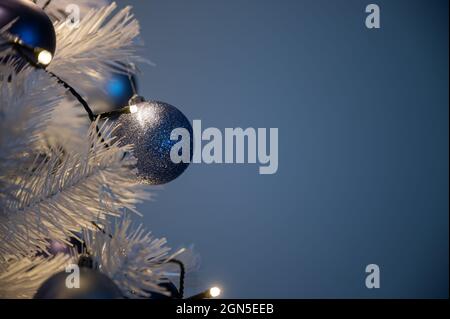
32 33
148 127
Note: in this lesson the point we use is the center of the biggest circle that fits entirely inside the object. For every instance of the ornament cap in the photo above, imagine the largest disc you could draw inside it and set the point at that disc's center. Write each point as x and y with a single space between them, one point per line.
136 99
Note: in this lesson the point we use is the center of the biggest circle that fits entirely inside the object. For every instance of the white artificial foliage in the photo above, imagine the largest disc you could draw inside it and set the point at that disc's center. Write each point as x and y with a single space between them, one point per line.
64 192
27 99
21 278
103 43
131 257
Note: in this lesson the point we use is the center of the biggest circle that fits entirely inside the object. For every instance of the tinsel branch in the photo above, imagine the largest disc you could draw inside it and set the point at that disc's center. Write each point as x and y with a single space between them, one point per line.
131 257
63 192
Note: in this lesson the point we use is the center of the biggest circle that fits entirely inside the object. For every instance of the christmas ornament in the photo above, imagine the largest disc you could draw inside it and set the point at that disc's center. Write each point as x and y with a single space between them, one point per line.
117 90
92 284
148 126
31 33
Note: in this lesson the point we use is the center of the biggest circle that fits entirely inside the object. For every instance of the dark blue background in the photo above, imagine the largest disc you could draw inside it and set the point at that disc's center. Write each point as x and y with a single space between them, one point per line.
363 150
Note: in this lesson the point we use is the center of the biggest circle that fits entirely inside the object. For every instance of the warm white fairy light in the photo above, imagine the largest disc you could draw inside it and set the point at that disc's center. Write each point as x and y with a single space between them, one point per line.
214 292
44 57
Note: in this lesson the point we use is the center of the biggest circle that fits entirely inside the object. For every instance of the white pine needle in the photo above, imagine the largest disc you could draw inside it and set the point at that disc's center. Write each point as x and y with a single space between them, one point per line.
64 192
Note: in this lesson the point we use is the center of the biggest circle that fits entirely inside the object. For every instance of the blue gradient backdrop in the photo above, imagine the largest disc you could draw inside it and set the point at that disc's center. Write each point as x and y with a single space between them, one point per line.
363 161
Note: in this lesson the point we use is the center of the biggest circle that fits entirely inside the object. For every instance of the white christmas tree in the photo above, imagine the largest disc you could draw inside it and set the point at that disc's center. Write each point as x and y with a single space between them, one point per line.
63 176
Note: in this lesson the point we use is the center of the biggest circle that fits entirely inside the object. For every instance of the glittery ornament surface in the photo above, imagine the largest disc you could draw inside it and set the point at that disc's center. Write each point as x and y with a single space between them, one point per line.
149 131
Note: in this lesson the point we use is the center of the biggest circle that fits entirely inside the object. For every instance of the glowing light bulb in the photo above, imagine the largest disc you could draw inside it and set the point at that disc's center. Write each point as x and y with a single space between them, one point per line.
133 108
214 292
44 57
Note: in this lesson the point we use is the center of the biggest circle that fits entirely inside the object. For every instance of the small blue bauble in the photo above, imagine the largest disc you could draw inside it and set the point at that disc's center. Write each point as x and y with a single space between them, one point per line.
120 89
149 129
33 27
117 90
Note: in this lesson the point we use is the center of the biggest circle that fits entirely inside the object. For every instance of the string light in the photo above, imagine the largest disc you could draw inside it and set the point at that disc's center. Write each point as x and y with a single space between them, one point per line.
44 57
214 292
131 108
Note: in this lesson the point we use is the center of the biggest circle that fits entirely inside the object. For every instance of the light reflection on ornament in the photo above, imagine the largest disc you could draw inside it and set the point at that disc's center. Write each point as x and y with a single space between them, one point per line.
146 116
133 108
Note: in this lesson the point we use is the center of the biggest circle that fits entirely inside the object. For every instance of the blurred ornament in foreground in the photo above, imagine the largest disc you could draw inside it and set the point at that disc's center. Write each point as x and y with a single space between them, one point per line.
31 32
148 126
92 285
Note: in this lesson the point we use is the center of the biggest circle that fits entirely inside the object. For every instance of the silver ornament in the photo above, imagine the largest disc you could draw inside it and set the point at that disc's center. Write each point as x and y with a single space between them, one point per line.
148 126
